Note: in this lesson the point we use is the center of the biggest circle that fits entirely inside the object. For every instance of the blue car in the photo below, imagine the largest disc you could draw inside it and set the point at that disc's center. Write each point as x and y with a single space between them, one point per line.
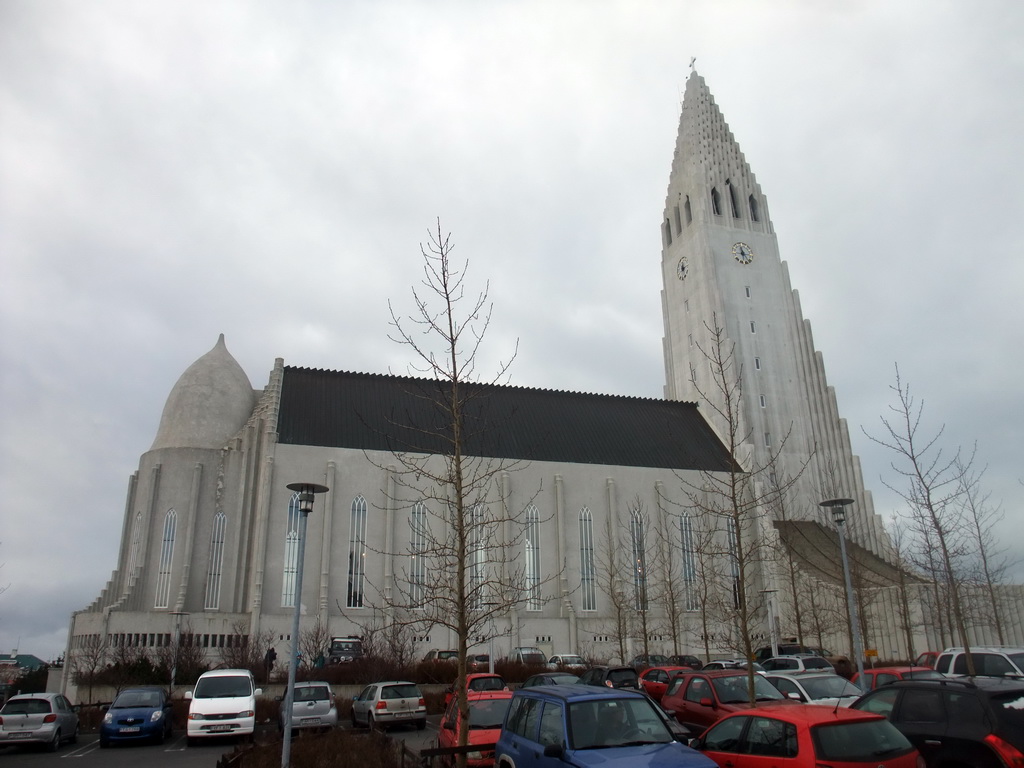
586 726
137 714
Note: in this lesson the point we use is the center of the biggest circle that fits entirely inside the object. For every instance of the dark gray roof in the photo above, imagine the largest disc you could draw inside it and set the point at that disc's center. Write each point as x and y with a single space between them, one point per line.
395 413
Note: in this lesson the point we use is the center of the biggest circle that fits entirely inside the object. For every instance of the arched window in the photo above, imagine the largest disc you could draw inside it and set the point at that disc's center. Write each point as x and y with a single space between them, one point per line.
639 562
213 573
755 213
356 553
588 572
163 579
688 547
291 553
716 202
417 555
533 599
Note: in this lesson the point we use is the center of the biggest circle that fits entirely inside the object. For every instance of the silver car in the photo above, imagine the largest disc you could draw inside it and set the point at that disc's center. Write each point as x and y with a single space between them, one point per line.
389 703
816 688
38 718
313 707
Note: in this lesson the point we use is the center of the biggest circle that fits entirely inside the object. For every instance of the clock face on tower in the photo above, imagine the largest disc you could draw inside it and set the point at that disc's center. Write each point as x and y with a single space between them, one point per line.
744 253
682 268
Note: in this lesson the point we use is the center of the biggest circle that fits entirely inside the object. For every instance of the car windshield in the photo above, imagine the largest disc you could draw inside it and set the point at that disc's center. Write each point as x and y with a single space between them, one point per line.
312 693
816 662
858 742
400 692
732 690
130 699
573 661
616 723
487 684
230 686
623 677
923 674
26 707
489 713
829 686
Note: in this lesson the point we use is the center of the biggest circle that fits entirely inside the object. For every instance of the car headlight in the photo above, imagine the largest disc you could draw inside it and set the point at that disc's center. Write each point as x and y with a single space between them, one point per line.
195 716
157 715
108 719
247 713
475 755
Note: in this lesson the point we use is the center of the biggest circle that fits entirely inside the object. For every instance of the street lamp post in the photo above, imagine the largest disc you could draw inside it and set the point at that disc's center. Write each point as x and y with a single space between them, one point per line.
838 509
307 492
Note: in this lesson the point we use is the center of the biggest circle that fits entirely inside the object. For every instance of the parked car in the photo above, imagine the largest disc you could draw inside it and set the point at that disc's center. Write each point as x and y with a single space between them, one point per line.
435 655
223 703
798 662
656 679
563 660
583 725
926 659
806 737
730 664
975 722
826 688
842 664
612 677
550 678
137 714
486 714
648 660
344 650
528 655
685 660
389 703
314 707
699 699
38 718
989 661
477 681
873 678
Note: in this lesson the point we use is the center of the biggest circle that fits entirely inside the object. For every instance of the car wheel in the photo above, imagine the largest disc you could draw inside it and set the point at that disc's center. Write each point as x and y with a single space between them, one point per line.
369 721
354 723
54 744
74 736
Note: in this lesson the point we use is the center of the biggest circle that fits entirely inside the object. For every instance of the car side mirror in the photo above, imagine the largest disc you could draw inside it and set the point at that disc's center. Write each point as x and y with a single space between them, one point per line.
188 695
554 750
695 743
794 695
449 725
279 698
258 692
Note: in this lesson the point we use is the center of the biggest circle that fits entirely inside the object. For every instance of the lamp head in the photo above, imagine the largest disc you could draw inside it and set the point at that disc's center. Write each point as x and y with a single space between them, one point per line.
838 509
307 492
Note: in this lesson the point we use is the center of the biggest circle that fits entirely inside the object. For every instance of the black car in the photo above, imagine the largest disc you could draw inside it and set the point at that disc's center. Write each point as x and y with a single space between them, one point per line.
963 721
685 661
612 677
550 678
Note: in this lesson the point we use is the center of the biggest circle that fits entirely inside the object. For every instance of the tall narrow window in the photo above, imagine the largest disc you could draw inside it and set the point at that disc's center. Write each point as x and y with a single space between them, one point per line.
755 214
133 553
762 400
477 556
733 203
716 202
356 553
213 573
639 562
688 548
417 555
688 211
533 599
588 571
734 557
747 290
757 363
163 579
291 553
753 329
767 439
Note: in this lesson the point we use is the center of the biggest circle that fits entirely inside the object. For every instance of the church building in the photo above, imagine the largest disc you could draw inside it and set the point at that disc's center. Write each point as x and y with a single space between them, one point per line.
209 539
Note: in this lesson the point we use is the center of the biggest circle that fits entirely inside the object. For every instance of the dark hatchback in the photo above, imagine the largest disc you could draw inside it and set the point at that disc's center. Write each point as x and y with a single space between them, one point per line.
975 722
612 677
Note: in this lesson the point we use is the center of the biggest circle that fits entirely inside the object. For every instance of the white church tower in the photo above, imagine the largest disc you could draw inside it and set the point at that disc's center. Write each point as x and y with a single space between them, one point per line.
721 267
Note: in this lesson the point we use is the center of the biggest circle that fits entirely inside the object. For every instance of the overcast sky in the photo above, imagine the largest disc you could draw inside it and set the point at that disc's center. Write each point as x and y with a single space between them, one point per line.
172 171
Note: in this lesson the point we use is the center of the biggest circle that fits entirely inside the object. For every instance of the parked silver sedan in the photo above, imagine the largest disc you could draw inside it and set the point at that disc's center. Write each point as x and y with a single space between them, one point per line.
390 703
314 707
38 718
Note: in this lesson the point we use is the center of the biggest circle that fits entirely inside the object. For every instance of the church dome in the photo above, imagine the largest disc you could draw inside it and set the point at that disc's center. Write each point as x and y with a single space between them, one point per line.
209 405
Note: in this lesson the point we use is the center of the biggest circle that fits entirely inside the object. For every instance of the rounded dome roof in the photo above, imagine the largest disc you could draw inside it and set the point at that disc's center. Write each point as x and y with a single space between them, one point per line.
208 405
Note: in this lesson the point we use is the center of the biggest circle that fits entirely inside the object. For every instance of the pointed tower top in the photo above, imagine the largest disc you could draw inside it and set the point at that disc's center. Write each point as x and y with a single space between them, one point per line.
208 405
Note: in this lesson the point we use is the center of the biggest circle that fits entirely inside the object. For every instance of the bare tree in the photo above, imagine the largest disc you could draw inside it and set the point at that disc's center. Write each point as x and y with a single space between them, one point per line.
313 643
87 659
464 571
898 535
613 576
249 652
933 487
736 498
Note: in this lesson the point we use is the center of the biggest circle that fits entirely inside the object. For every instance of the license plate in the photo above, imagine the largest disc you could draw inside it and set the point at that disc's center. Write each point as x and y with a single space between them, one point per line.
130 729
310 721
403 714
21 735
220 727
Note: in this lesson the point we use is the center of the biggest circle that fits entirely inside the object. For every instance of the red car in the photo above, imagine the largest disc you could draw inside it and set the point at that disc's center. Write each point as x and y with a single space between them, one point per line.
882 675
806 736
700 699
656 680
477 681
486 714
927 659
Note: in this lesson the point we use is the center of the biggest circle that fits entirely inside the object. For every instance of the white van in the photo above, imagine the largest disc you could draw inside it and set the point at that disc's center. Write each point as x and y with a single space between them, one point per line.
222 704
